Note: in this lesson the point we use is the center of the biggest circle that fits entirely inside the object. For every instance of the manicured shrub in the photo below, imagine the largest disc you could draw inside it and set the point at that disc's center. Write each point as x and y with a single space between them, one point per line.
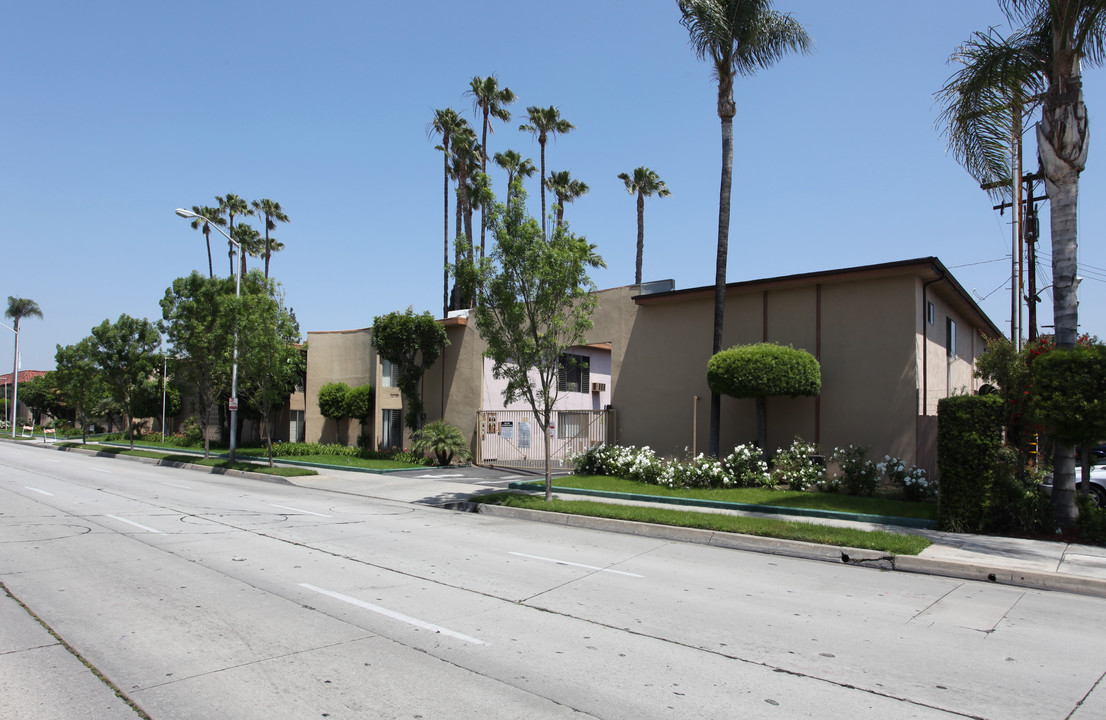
796 467
859 475
969 434
747 468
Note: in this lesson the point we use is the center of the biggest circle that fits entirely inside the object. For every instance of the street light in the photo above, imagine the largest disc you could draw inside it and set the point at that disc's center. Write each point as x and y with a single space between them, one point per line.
237 293
15 380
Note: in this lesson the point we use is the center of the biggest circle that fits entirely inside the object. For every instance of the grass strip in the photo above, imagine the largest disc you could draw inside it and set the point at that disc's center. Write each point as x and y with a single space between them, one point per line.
878 540
834 502
192 459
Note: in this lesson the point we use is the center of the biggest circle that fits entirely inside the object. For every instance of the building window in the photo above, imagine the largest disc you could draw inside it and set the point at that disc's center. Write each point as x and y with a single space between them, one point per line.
950 338
930 313
573 373
572 424
387 373
391 429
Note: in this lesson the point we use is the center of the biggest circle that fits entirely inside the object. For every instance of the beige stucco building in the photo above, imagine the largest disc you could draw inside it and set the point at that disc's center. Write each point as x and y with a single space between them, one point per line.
892 340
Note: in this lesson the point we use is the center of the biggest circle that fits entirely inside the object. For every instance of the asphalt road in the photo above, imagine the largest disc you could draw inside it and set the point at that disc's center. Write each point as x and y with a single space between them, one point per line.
206 596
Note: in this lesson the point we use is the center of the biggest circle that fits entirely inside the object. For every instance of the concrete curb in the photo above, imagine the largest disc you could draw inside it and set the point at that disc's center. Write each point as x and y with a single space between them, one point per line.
810 551
179 465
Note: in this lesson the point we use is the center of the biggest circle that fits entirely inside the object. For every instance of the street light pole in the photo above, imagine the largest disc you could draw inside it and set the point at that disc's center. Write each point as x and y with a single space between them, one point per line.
15 379
238 294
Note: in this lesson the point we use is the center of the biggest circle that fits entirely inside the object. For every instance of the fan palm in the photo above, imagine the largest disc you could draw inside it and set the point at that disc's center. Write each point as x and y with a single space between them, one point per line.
19 308
1076 30
446 122
512 162
208 216
737 37
488 101
566 189
273 213
645 183
249 239
543 123
233 206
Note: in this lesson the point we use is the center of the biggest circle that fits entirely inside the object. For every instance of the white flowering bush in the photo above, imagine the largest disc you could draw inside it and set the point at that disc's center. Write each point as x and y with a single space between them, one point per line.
859 475
742 468
746 467
796 468
911 480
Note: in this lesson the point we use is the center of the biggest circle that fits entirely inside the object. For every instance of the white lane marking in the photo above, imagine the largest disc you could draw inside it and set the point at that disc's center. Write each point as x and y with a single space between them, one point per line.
43 492
489 482
182 487
394 615
565 562
137 525
436 477
51 460
510 477
101 470
285 507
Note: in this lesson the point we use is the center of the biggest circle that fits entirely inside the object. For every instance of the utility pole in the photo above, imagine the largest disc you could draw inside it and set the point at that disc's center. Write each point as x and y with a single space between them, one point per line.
1027 230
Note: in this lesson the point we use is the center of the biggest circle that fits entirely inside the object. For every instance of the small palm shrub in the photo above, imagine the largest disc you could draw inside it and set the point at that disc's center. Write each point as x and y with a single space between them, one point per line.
445 441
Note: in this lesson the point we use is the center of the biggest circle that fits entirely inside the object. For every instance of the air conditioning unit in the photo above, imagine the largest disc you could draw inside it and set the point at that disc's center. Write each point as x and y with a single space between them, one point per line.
598 387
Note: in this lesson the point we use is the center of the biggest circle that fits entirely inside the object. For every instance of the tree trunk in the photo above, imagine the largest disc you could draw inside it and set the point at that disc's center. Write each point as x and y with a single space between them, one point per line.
541 142
720 269
445 222
548 459
640 235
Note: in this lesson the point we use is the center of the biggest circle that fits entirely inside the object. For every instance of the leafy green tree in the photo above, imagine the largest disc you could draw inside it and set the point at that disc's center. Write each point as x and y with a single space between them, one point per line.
512 162
446 122
442 439
488 101
762 370
737 37
1076 32
270 360
126 352
209 216
333 404
197 317
19 308
149 395
41 395
544 122
644 183
532 304
272 213
359 404
412 343
566 189
1069 399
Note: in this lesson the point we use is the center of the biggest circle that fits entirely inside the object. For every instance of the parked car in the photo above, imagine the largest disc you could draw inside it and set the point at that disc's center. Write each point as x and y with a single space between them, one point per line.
1098 483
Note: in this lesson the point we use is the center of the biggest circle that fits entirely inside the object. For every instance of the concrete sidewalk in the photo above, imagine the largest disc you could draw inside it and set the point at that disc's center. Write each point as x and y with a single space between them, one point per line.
1037 564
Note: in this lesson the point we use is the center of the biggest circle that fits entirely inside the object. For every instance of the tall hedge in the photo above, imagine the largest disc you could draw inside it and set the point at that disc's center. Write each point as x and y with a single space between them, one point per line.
969 435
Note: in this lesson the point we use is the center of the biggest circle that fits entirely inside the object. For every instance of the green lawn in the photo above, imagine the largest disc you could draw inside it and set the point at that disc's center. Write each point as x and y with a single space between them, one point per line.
210 462
760 496
889 542
339 461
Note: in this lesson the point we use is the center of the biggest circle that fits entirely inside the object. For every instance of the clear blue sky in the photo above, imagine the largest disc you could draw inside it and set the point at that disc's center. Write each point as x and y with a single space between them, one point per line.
117 113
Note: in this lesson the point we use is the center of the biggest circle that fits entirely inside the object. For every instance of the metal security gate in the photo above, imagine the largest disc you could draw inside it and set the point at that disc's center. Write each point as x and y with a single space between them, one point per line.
513 438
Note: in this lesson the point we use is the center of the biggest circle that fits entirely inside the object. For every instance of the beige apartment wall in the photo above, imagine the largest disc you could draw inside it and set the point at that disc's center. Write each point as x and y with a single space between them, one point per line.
944 376
866 352
343 356
453 387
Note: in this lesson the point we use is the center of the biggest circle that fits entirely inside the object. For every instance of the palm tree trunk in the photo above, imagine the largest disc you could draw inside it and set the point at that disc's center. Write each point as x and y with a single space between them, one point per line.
445 222
541 142
720 270
210 266
484 170
640 235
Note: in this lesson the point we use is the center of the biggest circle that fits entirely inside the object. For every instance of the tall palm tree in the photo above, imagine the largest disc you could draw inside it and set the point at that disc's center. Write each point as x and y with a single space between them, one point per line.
273 213
512 162
645 183
19 308
566 189
249 239
233 206
488 101
986 103
543 123
1076 30
738 37
446 122
208 216
466 163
